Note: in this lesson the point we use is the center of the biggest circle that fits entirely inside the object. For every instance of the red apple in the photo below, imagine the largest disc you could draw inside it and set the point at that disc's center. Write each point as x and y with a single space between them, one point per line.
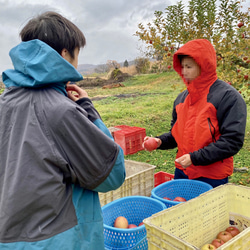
141 224
121 222
240 24
169 66
233 230
180 199
166 198
246 77
150 41
245 58
132 226
208 247
217 242
224 235
150 144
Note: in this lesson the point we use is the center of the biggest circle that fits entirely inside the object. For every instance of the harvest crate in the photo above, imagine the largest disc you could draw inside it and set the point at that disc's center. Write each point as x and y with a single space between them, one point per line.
135 209
192 224
161 177
139 181
129 138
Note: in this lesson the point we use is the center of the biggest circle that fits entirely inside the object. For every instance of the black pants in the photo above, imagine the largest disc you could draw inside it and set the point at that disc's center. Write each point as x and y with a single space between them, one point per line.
179 174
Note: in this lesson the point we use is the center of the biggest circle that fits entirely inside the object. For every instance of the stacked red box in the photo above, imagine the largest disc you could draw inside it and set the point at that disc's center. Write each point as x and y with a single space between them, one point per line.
162 177
130 138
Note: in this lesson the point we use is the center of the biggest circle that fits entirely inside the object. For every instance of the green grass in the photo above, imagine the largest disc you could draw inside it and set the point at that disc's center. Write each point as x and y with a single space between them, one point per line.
147 102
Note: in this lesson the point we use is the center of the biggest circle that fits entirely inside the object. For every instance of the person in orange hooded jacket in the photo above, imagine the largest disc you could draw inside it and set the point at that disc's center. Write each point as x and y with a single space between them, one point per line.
208 119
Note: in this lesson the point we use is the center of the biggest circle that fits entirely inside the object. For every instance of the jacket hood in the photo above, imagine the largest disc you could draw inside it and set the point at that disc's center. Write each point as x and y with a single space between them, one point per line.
203 52
36 64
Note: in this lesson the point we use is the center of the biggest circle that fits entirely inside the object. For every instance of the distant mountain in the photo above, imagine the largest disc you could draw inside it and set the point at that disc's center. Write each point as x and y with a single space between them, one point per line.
87 69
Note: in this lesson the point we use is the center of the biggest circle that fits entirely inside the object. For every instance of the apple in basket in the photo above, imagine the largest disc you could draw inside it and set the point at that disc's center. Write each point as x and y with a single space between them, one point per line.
208 247
121 222
217 242
224 235
180 199
132 226
166 198
233 230
141 224
150 144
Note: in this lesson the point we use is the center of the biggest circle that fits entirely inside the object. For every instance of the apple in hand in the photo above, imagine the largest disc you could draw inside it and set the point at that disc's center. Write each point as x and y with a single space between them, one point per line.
233 230
132 226
208 247
179 199
225 236
217 242
121 222
150 144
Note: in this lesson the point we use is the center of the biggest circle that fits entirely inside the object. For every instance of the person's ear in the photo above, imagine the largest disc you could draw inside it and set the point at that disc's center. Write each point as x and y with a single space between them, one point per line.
64 53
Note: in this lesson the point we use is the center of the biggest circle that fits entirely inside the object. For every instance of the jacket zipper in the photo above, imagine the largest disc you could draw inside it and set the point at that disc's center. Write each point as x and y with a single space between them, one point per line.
212 129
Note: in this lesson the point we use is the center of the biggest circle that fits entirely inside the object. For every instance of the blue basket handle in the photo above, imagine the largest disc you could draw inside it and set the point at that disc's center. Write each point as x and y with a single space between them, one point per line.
130 248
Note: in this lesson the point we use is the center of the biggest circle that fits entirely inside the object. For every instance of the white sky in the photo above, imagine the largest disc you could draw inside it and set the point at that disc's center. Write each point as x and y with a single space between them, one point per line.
109 26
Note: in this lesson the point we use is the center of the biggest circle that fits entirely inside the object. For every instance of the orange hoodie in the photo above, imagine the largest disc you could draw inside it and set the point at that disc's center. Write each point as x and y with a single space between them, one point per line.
209 117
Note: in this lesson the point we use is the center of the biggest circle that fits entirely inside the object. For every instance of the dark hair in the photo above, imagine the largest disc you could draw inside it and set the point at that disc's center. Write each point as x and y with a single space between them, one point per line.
181 57
55 30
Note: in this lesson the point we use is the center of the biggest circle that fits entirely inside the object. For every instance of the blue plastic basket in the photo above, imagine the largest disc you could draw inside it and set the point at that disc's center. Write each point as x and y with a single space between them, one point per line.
185 188
135 209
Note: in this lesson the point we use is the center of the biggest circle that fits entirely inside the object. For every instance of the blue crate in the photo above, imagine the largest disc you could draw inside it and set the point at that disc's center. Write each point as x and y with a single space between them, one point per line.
135 209
185 188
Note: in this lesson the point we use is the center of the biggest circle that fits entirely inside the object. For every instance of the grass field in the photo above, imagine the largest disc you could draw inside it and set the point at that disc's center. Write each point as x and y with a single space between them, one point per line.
146 101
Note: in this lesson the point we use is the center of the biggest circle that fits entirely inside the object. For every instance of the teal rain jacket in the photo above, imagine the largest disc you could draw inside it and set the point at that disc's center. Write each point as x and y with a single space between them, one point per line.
55 156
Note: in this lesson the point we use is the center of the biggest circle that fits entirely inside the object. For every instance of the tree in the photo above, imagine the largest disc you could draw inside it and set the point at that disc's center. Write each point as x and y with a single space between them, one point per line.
112 64
224 25
125 64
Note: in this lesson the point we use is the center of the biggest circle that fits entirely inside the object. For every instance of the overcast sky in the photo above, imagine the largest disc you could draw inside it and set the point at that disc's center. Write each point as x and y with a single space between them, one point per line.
108 25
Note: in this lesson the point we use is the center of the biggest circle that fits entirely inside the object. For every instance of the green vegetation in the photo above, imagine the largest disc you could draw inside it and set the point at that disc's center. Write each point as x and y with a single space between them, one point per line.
146 101
224 23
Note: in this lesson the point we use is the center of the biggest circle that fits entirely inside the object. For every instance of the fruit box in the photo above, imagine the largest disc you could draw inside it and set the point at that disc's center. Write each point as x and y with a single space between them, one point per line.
129 138
192 224
161 177
139 181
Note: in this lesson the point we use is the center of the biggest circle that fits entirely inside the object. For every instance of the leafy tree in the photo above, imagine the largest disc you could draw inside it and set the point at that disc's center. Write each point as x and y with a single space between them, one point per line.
224 24
125 64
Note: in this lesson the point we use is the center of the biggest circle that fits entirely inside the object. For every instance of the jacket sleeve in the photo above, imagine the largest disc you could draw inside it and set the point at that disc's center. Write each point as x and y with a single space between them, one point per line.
112 181
87 146
231 115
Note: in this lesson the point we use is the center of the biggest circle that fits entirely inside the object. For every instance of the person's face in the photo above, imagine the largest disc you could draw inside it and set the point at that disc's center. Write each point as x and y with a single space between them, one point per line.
189 69
66 55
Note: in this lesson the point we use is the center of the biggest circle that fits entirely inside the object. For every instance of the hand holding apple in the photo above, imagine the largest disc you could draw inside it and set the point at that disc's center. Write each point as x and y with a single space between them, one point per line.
75 92
150 143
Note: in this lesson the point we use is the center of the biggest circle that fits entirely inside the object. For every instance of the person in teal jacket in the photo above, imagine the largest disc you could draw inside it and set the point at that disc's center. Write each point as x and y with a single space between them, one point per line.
56 154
